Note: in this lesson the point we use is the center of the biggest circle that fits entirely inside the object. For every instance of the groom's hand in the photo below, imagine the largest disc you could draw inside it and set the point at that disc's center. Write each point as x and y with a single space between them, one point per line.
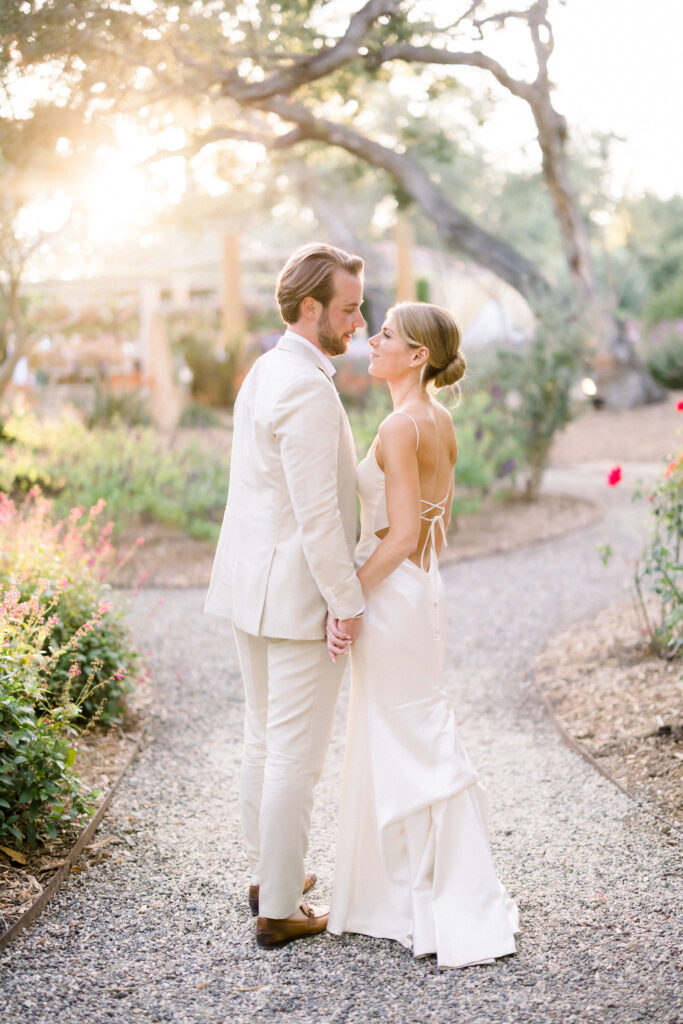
340 633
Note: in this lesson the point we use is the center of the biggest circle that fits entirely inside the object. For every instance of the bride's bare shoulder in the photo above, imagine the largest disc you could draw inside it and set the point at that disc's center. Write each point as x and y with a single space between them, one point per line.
446 426
397 426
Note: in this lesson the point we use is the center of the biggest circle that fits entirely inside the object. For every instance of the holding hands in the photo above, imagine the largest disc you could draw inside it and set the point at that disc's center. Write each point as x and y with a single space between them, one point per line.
340 634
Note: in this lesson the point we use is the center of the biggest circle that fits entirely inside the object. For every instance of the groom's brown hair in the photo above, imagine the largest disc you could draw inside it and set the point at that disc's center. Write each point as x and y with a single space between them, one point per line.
309 271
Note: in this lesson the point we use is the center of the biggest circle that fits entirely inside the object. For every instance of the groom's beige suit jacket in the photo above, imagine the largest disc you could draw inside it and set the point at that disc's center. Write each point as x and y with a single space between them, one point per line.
285 552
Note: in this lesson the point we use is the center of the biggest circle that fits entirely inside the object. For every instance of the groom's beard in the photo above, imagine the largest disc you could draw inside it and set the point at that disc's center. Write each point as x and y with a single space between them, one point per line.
334 344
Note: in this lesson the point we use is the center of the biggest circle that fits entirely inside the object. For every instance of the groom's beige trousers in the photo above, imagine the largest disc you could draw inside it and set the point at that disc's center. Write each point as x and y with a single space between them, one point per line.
291 690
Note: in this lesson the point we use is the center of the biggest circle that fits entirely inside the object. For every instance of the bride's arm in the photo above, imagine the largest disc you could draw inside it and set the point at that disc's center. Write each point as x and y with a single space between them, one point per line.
402 482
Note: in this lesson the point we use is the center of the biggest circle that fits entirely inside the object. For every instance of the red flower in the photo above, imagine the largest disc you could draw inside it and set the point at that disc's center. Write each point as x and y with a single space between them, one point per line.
614 476
679 407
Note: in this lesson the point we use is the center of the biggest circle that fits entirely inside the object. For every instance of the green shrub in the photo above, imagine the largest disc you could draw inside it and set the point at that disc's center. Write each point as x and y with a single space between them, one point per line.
488 451
661 566
196 414
535 384
39 791
666 303
63 565
366 418
216 373
141 478
664 354
110 409
66 661
104 655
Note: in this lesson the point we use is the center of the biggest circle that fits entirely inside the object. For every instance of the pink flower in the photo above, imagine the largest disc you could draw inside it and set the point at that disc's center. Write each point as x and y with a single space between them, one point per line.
679 407
614 476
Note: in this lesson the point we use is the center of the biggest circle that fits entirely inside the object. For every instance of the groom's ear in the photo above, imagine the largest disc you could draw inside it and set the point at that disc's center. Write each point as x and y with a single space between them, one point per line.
310 307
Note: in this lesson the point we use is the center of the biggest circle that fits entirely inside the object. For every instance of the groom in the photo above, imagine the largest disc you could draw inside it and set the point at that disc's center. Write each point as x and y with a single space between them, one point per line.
284 563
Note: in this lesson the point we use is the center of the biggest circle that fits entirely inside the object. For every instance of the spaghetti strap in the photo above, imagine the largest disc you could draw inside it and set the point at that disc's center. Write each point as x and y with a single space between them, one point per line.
398 412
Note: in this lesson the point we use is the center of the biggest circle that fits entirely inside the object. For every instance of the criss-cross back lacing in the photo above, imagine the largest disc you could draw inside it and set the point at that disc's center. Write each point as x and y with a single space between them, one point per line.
429 546
436 522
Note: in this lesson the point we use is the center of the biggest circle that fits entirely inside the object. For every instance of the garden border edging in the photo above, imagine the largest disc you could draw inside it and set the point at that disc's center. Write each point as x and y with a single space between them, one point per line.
52 887
578 748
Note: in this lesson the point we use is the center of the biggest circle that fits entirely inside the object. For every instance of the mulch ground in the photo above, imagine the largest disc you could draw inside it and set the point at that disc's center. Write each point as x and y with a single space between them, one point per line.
648 434
623 704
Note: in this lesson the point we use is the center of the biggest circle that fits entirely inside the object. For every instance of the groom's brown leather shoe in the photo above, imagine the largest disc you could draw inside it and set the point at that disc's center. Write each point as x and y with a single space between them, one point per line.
309 882
272 932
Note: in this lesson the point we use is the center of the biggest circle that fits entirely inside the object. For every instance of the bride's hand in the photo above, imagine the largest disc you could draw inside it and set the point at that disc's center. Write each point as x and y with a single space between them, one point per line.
337 640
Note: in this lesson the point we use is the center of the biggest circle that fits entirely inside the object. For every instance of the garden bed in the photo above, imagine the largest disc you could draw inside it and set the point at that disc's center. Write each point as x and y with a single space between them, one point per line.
623 705
27 876
504 525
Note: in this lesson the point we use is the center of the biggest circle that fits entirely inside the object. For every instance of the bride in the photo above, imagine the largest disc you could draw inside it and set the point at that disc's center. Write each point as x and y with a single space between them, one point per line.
413 860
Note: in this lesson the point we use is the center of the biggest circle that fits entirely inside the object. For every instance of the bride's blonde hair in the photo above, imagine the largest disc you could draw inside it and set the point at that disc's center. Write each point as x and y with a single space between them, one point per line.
422 324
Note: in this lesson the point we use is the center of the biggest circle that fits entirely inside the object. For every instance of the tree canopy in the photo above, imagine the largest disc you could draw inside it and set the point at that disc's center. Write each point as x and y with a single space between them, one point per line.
295 75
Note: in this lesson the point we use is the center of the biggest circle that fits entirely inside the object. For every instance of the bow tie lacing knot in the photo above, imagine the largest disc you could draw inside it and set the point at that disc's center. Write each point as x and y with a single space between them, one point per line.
436 522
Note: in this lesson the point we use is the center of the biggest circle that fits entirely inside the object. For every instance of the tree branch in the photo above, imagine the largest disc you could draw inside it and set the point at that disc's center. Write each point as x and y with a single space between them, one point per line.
452 224
433 55
537 16
285 82
500 18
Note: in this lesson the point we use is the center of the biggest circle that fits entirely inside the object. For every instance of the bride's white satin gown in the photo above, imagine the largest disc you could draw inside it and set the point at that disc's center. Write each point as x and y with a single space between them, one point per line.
413 860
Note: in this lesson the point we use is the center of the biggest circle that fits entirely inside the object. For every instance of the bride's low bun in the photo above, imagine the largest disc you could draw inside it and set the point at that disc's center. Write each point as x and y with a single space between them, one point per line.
451 373
422 324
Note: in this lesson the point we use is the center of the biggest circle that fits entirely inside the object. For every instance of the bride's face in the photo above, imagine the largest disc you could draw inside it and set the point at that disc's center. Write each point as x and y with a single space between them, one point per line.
391 356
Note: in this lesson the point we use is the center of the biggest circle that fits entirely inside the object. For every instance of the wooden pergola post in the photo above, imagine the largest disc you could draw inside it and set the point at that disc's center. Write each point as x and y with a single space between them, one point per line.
150 297
234 321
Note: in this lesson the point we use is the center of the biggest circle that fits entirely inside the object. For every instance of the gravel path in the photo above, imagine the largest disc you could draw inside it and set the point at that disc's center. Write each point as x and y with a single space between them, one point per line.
161 930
